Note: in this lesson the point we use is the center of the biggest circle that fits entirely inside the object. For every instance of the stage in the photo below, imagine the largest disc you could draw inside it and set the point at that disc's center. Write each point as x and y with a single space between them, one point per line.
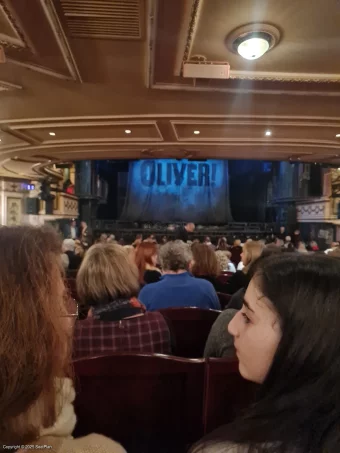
129 230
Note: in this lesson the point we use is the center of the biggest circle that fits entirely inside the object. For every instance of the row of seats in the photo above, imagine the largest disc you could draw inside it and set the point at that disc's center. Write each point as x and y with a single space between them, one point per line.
190 327
153 402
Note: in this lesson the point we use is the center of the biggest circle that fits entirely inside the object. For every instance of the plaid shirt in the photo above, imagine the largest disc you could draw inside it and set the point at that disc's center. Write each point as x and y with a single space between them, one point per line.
148 333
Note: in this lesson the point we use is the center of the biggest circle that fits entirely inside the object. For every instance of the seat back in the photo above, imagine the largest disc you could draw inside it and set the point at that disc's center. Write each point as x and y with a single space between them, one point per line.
149 403
224 299
190 327
223 279
71 284
227 393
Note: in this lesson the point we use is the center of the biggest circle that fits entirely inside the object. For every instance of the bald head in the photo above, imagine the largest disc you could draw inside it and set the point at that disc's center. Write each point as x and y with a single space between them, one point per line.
190 227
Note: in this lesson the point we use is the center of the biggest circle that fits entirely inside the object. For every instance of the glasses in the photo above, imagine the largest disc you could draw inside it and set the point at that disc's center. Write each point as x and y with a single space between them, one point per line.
72 308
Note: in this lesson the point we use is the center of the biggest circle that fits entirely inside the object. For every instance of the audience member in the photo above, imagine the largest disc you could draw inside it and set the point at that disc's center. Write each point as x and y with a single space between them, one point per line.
220 342
107 282
111 238
146 258
301 247
208 242
251 252
85 235
164 240
177 287
151 238
279 242
102 238
288 240
222 244
282 234
296 238
35 339
236 251
68 248
205 265
334 246
182 233
79 249
237 298
223 258
138 240
289 247
314 246
335 253
71 230
286 341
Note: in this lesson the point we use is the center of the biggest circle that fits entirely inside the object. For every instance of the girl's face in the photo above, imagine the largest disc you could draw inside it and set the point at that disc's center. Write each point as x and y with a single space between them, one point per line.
257 333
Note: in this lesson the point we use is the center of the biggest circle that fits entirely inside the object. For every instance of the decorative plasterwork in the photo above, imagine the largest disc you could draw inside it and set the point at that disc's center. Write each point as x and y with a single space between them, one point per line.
26 48
281 79
7 86
303 138
195 10
14 38
285 77
61 39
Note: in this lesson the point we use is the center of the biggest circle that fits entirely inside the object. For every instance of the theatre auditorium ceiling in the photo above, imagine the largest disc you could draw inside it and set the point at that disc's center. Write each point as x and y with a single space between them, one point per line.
105 79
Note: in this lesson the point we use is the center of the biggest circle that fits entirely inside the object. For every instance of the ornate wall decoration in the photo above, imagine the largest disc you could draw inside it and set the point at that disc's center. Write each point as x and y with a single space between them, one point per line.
14 211
320 209
335 180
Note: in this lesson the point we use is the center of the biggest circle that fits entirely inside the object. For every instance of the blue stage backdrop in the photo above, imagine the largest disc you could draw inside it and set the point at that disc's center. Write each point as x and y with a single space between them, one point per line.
170 190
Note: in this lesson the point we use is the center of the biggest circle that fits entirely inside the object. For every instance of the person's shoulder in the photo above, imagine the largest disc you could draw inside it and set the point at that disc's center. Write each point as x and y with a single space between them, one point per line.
93 443
204 284
153 316
218 447
227 315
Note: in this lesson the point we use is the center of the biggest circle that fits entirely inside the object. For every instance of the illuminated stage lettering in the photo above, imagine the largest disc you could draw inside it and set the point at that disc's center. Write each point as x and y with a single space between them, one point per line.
171 190
178 173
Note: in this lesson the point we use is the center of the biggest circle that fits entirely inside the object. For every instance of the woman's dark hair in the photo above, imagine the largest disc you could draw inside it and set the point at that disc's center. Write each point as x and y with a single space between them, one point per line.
298 405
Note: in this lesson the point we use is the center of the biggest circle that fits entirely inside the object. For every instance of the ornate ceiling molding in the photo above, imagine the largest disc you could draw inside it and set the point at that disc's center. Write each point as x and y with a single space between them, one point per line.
285 77
195 10
307 139
8 86
61 39
16 40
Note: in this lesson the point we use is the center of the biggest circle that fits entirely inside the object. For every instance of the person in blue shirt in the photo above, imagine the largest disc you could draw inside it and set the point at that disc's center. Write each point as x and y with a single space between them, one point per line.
177 287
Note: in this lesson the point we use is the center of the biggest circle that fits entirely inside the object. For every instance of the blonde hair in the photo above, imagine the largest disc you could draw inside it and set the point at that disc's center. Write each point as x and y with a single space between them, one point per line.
251 252
107 272
223 258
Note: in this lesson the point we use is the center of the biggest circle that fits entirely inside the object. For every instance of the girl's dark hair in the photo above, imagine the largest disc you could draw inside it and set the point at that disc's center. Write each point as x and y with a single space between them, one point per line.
298 405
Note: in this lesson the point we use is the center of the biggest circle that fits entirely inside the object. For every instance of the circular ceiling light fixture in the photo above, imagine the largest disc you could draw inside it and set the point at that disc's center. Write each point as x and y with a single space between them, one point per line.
197 132
127 131
253 41
268 133
253 46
